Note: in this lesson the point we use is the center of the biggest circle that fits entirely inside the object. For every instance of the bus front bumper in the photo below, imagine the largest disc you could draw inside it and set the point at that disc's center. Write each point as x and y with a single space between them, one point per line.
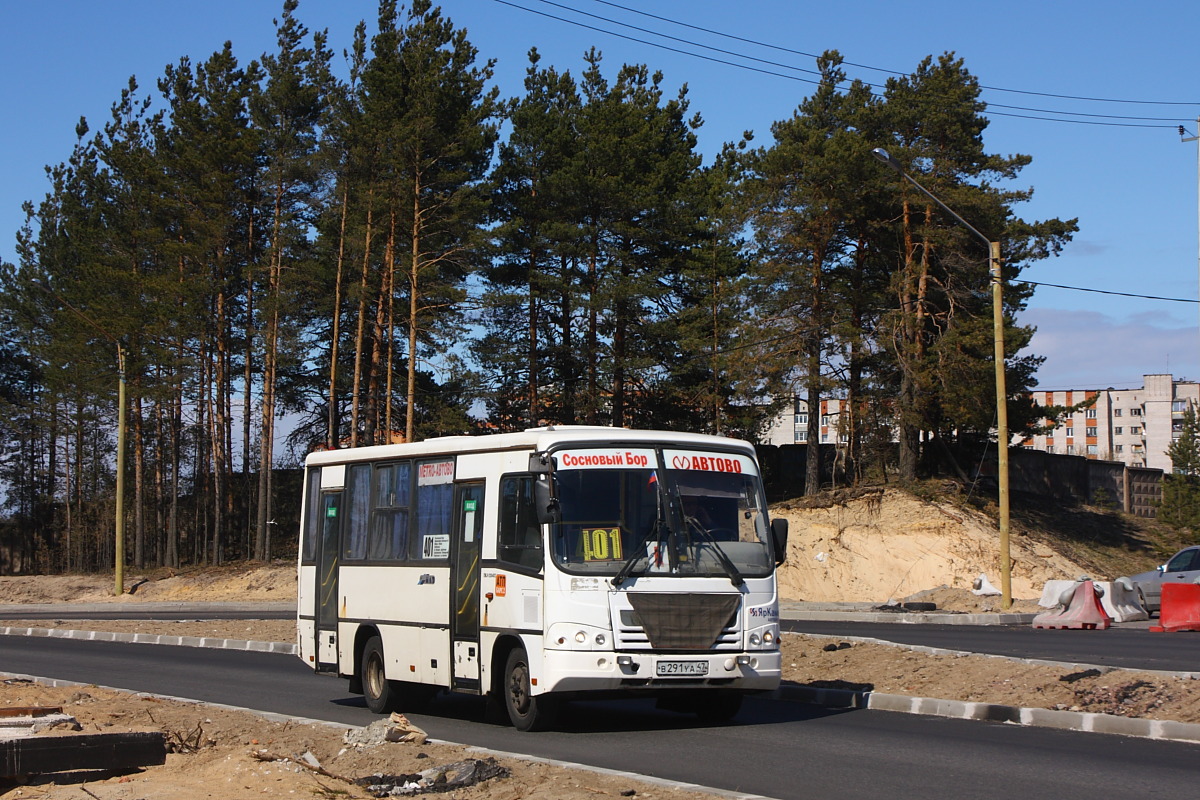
584 671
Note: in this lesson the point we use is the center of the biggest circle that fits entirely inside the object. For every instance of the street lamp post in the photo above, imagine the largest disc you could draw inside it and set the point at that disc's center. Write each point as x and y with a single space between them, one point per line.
1001 388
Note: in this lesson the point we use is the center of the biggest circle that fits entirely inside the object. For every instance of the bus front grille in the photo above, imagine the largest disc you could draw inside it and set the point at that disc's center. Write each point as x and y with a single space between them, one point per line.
679 622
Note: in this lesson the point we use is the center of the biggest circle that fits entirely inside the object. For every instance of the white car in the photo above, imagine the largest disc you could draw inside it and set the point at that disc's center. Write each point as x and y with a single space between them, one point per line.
1184 567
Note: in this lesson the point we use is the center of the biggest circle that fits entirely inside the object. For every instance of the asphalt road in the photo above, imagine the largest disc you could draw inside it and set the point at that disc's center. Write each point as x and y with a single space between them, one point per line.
1131 647
1137 648
776 749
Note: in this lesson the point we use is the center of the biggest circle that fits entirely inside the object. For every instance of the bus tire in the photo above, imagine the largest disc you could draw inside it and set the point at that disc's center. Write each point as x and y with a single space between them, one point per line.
381 694
717 707
526 711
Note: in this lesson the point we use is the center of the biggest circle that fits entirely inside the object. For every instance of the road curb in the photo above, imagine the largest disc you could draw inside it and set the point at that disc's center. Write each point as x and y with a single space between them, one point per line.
1081 721
1074 666
287 648
908 617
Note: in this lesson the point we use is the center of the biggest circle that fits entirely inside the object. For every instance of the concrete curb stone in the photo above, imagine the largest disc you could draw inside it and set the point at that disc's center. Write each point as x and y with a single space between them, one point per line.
909 618
287 648
1082 721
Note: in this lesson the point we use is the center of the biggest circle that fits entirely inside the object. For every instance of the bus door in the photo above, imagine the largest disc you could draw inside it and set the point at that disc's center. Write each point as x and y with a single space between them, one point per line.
327 581
464 617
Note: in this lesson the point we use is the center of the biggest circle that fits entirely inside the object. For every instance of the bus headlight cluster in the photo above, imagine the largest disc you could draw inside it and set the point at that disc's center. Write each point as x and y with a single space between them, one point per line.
581 637
578 637
764 639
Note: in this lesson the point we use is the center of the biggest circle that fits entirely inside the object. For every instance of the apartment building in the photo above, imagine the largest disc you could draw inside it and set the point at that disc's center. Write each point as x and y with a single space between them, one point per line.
792 428
1134 426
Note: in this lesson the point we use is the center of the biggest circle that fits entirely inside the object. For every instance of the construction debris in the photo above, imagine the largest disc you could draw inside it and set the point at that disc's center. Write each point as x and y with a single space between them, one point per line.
396 728
445 778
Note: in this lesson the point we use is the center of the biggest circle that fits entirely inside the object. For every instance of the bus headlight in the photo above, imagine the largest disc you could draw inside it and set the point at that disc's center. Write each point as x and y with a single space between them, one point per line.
574 636
764 638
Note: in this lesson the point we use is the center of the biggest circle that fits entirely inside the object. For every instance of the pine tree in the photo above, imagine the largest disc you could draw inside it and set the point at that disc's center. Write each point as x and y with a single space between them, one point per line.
528 306
286 113
939 335
804 202
1180 505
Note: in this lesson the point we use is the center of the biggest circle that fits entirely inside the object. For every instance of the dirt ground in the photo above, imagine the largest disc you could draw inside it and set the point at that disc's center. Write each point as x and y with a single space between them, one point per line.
226 754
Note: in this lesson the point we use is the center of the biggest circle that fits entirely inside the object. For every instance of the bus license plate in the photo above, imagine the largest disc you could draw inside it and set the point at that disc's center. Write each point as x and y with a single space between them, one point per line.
683 668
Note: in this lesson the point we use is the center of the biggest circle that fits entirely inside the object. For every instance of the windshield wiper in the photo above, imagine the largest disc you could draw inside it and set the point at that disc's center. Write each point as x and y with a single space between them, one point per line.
735 577
639 552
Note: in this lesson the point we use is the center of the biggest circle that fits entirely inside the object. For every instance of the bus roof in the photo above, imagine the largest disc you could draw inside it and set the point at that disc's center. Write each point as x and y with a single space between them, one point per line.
533 439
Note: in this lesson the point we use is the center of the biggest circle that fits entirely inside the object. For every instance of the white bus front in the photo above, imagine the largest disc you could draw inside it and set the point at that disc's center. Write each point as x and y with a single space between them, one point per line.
659 578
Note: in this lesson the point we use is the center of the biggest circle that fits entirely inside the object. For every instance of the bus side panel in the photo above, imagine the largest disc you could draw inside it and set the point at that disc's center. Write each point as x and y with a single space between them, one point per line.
409 606
306 615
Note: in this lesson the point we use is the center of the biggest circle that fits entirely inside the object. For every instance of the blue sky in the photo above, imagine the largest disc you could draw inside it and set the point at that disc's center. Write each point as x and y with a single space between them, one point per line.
1134 189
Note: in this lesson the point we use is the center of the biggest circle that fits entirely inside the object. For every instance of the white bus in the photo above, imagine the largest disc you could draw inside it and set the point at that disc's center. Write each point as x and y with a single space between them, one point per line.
533 567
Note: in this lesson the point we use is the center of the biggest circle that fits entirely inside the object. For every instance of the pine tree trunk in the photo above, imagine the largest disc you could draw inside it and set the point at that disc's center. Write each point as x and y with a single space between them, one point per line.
414 286
331 430
359 341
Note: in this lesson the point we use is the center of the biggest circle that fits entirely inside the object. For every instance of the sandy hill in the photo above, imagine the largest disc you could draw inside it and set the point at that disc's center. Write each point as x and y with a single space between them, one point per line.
884 544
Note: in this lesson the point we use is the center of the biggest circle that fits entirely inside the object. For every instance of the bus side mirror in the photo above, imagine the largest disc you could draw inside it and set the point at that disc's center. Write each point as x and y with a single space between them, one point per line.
545 505
779 536
539 463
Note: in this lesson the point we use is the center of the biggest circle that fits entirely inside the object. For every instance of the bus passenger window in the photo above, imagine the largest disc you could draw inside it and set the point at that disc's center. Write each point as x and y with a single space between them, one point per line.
433 512
389 520
354 547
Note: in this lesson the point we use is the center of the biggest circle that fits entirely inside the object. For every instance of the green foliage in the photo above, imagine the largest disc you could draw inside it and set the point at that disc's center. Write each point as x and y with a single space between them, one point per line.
260 237
1180 505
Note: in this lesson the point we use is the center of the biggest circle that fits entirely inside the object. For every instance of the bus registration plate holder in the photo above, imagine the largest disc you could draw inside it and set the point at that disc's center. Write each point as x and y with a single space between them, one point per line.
681 669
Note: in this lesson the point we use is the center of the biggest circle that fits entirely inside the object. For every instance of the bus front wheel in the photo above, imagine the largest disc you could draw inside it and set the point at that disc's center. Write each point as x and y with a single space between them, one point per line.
526 711
380 693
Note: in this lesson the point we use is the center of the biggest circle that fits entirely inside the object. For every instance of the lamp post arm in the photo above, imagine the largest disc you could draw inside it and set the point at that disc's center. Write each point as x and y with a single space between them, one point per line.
948 210
884 157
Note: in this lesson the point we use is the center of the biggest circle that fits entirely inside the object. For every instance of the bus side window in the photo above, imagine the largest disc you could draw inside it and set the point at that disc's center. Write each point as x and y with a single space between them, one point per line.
354 545
313 521
433 510
520 536
389 519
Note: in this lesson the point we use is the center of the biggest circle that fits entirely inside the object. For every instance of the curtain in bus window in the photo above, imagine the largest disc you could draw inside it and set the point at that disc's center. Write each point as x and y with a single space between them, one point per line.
359 485
434 510
389 520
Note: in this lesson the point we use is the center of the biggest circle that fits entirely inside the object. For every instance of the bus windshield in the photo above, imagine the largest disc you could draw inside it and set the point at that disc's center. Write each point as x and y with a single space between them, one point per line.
675 512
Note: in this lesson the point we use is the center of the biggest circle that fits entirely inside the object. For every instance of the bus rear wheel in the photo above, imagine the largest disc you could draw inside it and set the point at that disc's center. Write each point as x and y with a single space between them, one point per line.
382 695
526 711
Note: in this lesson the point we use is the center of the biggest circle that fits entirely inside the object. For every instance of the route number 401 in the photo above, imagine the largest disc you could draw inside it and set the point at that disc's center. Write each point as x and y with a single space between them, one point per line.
600 544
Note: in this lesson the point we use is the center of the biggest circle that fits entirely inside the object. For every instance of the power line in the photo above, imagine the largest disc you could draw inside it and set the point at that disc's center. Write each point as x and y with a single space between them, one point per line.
1106 291
655 44
818 74
780 65
880 69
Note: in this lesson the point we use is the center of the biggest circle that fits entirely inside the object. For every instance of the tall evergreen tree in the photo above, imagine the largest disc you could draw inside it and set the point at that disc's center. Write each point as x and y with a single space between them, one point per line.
940 333
805 202
286 113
